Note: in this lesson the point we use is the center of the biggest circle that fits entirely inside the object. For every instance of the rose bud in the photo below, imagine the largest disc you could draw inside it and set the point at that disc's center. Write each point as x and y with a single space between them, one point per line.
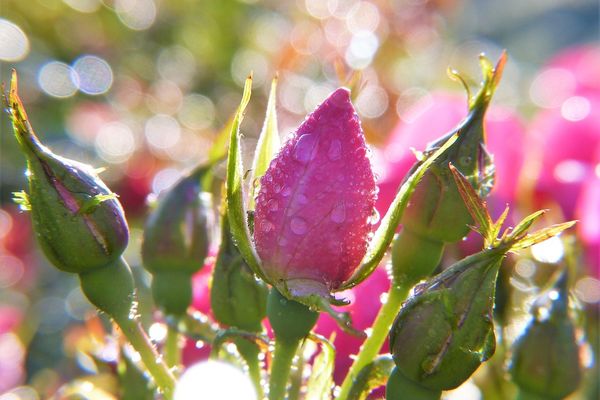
545 360
176 240
79 222
312 219
436 214
445 330
238 299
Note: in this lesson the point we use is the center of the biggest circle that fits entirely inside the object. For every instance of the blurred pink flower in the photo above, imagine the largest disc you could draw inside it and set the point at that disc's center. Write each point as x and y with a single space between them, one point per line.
583 63
588 214
196 351
365 303
432 117
312 219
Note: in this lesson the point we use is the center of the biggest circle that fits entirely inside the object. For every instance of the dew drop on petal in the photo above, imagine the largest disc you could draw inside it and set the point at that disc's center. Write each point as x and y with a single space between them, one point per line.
338 215
298 226
273 205
266 226
335 150
306 148
286 191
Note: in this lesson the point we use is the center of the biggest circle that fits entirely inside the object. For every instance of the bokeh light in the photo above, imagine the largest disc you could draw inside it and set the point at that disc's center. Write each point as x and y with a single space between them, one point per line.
58 79
14 44
94 74
215 380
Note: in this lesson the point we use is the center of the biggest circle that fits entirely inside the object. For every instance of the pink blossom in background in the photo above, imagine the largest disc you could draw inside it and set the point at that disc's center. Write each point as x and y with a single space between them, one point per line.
312 218
583 63
365 303
588 214
437 114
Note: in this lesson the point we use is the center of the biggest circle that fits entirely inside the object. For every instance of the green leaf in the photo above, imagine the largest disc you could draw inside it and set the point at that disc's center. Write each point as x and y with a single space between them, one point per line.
218 150
268 143
525 224
321 379
372 376
476 206
385 233
238 219
541 235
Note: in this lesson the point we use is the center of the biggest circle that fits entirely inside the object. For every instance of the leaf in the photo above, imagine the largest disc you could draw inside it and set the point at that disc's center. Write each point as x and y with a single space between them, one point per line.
525 224
321 380
541 235
385 233
372 376
268 144
238 219
475 205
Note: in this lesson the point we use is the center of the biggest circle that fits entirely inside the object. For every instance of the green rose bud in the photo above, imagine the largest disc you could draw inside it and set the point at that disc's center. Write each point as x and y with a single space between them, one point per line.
445 331
545 361
78 221
237 298
176 241
436 210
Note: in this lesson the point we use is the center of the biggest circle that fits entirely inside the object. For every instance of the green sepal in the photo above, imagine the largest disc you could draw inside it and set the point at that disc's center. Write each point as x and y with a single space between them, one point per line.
267 146
385 233
372 376
400 387
238 219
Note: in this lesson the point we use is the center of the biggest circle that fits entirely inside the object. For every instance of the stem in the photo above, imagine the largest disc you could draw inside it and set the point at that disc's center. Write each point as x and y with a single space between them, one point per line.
250 352
280 369
172 348
161 374
380 330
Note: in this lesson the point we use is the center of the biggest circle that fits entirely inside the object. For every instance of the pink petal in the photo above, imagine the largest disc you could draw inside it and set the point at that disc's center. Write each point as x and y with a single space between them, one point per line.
315 200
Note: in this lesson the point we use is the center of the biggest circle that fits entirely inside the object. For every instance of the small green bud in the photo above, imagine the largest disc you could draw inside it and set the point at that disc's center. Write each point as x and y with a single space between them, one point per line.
399 387
176 240
78 221
237 298
290 320
445 330
436 210
545 360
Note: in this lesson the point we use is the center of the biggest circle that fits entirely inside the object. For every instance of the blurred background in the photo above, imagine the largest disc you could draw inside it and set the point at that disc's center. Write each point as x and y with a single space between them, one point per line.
142 88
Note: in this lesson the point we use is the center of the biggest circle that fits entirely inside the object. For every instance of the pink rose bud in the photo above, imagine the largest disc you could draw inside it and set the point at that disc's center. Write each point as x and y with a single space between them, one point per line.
437 114
313 211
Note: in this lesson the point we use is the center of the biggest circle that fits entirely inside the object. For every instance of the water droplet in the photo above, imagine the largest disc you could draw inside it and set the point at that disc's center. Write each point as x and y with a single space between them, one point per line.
273 205
465 160
286 191
306 148
338 214
266 226
277 188
298 226
335 150
374 218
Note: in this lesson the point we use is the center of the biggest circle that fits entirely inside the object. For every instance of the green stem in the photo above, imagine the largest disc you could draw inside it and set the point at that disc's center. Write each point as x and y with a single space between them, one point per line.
380 330
172 348
280 369
164 379
413 258
250 352
296 375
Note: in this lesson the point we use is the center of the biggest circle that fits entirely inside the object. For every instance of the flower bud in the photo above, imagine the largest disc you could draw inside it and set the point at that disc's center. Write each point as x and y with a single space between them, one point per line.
545 360
79 223
436 210
176 241
238 299
445 331
312 218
